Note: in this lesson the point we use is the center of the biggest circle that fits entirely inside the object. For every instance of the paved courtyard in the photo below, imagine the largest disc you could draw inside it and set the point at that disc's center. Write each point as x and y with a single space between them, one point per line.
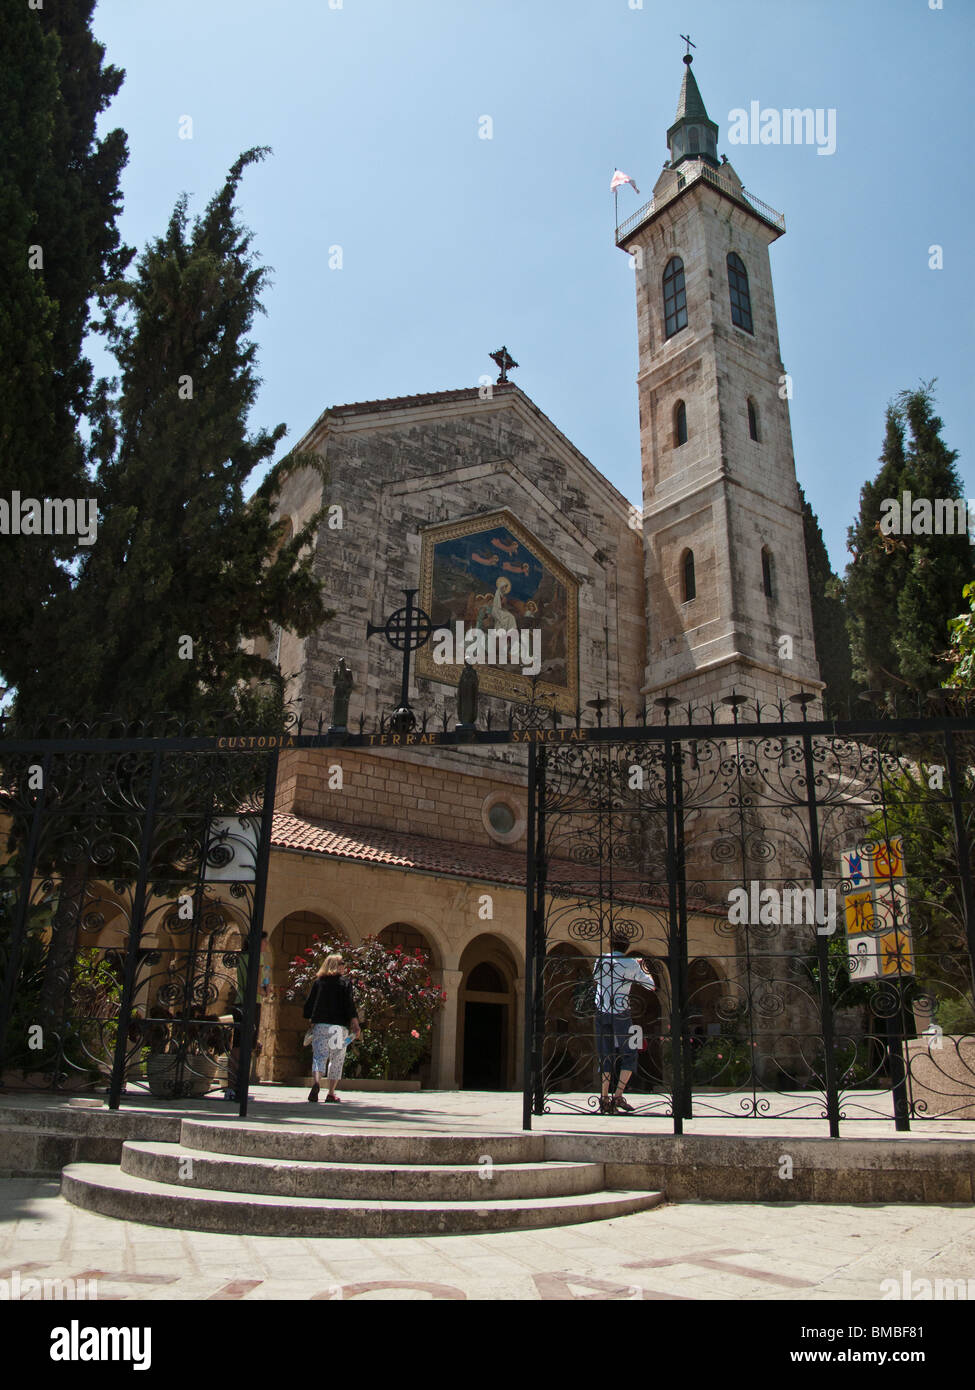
687 1251
495 1112
703 1250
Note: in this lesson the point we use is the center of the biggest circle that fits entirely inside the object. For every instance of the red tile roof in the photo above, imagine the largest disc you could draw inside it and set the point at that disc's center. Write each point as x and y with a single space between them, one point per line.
484 862
393 850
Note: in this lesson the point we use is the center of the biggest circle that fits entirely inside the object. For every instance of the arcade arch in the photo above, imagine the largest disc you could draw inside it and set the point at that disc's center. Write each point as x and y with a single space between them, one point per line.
487 1025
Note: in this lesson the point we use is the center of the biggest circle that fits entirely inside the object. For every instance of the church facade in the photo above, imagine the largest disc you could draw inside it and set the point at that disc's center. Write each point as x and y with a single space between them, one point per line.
534 566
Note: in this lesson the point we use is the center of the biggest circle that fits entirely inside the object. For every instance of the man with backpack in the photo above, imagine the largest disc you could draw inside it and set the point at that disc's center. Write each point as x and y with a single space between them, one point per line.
614 975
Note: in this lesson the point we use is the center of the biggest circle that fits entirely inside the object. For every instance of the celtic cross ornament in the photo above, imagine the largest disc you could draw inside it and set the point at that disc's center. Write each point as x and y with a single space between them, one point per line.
405 630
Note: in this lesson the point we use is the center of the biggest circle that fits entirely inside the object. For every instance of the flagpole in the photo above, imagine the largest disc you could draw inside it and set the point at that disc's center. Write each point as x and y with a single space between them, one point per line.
616 206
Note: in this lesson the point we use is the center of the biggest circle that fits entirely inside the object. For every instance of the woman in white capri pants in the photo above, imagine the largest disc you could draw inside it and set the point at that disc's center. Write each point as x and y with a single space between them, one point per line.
331 1009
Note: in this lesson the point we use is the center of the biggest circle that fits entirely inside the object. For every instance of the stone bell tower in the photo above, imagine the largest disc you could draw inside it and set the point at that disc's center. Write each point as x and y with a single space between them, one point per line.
725 565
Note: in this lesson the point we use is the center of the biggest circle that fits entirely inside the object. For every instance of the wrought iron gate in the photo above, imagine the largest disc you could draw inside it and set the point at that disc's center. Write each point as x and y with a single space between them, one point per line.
131 906
802 894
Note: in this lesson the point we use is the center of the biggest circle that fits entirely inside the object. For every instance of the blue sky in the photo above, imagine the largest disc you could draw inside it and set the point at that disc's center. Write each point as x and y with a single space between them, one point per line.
453 245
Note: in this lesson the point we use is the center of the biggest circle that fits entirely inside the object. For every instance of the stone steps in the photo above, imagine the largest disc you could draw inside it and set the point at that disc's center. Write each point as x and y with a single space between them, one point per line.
29 1151
34 1153
326 1145
106 1189
436 1182
275 1181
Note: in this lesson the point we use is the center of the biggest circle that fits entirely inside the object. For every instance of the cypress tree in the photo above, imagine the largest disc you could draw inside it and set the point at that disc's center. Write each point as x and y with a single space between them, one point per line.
829 627
902 587
939 565
874 575
184 568
59 203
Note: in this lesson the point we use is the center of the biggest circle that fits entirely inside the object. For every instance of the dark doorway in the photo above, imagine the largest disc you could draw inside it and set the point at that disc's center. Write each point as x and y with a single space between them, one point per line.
484 1033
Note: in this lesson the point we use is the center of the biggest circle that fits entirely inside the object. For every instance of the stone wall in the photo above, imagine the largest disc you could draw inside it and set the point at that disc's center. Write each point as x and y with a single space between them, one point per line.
418 798
396 468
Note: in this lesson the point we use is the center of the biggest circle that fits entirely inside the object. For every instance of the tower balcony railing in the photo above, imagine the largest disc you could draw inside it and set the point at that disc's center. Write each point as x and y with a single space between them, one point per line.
684 180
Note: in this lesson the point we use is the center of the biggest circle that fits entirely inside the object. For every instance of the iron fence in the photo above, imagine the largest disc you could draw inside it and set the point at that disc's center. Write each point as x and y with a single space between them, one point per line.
801 890
802 895
130 913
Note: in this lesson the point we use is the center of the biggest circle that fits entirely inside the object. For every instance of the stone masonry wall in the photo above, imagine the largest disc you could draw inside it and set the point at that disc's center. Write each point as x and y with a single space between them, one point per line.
390 794
721 494
401 467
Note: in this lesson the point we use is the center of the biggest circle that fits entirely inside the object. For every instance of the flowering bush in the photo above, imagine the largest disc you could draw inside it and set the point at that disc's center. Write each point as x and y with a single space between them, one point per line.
395 996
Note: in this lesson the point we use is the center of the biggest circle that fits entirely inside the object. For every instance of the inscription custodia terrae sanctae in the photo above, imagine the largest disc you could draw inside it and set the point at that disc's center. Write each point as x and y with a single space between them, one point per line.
261 742
258 741
516 736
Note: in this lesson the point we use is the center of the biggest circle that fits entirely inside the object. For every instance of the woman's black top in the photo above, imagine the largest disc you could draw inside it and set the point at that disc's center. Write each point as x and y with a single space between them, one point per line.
331 1001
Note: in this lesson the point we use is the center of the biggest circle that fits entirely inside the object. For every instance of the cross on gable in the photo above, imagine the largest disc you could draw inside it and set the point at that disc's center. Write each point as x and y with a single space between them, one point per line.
505 361
687 40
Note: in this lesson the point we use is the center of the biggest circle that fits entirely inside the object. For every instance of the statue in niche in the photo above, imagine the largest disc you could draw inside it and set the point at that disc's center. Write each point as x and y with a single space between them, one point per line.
342 683
467 696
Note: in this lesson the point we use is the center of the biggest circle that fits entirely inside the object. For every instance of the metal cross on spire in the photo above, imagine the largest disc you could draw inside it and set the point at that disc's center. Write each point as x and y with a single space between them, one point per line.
505 361
687 40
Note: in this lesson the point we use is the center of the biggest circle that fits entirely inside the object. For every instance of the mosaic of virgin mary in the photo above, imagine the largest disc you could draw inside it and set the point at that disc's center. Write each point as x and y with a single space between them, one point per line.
497 576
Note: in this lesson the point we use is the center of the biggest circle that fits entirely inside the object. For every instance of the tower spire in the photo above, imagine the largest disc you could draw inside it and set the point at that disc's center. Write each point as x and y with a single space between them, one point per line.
693 135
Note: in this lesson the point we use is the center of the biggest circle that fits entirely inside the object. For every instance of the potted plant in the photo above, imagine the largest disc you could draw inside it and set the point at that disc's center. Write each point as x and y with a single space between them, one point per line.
176 1065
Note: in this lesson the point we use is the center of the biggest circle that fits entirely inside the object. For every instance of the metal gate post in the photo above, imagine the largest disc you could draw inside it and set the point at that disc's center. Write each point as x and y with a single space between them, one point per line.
822 944
686 1071
539 934
248 1027
677 946
528 1059
135 937
962 849
895 1040
895 1057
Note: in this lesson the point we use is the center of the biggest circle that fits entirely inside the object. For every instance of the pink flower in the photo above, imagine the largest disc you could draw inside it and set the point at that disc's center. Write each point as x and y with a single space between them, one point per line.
414 1033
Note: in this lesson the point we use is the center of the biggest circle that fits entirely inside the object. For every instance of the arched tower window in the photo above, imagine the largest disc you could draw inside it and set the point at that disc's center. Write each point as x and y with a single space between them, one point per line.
741 303
680 424
675 297
688 584
767 572
752 420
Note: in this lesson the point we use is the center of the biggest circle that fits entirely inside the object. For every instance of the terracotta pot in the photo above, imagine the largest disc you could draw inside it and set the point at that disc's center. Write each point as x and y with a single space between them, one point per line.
197 1079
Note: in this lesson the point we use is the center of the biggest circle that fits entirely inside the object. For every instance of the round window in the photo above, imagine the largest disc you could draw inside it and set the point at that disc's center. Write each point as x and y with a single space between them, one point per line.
502 817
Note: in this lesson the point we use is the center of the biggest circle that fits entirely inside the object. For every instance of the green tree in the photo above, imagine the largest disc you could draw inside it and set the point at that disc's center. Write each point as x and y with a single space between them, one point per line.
829 627
917 808
961 673
184 568
59 204
901 590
